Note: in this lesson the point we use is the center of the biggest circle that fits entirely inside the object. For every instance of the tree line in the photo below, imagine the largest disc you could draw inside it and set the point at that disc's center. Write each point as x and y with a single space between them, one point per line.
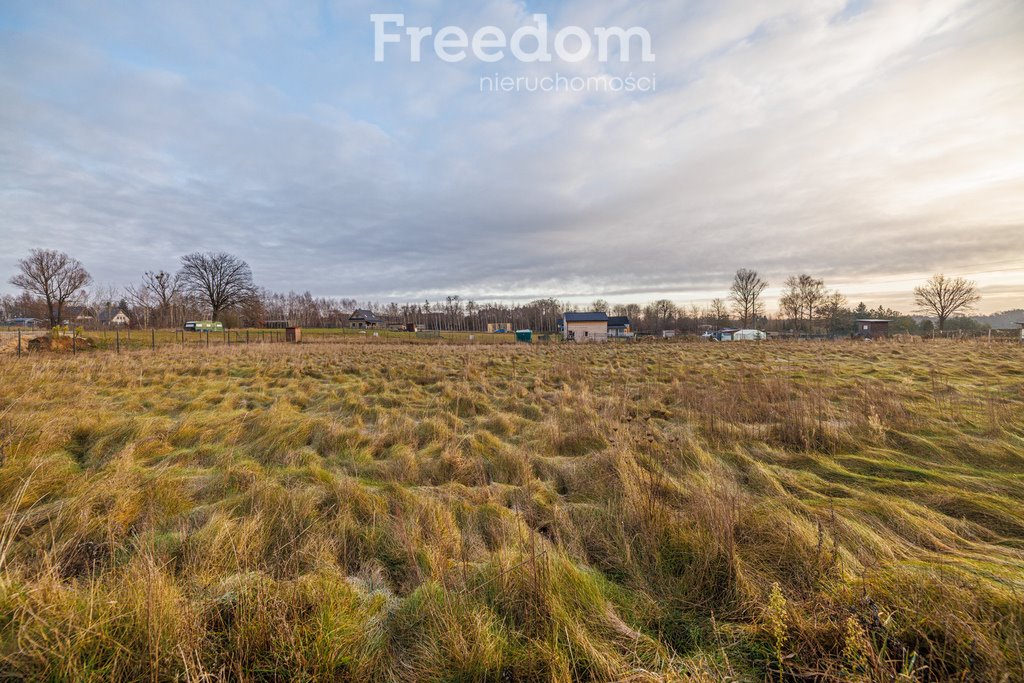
220 286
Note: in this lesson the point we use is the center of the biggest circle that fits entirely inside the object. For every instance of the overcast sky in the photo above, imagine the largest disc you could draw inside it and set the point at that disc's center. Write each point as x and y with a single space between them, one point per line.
868 143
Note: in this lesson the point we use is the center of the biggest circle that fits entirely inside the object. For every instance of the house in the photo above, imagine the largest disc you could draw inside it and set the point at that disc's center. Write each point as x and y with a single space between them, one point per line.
585 327
620 327
872 329
362 319
77 315
114 317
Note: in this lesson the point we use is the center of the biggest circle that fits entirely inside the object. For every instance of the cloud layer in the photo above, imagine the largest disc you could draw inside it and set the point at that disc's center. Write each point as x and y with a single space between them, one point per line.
864 142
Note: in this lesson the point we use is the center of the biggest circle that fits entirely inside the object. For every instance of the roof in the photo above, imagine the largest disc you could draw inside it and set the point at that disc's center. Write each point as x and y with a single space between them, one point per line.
591 317
111 313
873 320
362 314
618 321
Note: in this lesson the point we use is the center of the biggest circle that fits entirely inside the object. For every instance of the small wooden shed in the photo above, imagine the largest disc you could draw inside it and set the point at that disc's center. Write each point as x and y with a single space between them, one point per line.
872 329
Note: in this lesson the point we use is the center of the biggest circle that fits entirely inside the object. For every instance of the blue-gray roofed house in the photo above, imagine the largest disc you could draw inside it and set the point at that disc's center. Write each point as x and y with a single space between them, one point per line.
585 327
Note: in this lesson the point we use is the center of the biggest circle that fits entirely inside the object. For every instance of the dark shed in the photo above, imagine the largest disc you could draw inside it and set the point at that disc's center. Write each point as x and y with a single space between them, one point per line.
872 329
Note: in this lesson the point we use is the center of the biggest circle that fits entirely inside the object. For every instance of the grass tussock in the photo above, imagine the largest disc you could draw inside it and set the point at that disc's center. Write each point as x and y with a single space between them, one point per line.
371 512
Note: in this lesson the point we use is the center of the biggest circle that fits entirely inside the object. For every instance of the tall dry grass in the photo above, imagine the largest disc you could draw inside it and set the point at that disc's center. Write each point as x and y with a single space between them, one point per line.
645 512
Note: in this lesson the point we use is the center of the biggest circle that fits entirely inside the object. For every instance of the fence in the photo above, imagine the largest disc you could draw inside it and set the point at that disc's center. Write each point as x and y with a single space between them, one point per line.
116 340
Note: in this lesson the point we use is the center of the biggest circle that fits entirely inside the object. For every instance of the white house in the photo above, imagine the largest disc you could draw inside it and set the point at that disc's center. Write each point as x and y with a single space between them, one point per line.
114 317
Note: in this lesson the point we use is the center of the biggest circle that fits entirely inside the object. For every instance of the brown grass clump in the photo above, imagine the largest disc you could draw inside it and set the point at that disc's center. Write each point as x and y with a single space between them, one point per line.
379 511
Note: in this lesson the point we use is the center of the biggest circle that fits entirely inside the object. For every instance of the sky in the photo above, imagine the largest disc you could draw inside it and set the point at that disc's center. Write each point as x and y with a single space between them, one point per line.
870 144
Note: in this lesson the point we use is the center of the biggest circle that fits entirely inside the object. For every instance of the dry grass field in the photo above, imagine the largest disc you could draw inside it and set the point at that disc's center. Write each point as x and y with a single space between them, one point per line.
397 512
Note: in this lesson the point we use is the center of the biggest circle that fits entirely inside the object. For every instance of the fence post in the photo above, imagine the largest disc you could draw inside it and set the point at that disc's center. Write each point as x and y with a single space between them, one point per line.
117 340
19 343
247 337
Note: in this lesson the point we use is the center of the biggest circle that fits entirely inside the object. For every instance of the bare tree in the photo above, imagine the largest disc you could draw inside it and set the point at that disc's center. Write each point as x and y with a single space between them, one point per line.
600 306
719 312
157 293
53 275
945 296
221 280
834 312
745 294
660 314
800 302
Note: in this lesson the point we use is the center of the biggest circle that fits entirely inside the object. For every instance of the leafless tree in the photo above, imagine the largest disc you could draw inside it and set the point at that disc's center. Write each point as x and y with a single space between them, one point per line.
660 314
945 296
601 306
834 312
719 312
221 280
53 275
745 294
157 294
801 299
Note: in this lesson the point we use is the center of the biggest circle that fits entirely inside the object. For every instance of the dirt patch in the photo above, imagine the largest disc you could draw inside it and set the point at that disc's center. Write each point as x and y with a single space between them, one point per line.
61 344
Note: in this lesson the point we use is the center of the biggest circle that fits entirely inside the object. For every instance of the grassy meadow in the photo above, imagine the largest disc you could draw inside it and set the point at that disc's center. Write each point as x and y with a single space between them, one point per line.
361 511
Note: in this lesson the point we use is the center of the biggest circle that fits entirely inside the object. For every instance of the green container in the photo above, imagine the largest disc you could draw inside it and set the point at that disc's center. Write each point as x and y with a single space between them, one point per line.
524 336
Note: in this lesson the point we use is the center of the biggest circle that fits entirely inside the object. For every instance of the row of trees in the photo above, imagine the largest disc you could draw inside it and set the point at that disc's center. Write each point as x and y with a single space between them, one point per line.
218 282
221 286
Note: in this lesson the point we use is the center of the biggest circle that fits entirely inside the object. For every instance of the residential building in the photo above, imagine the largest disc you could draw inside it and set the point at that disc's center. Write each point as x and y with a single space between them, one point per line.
362 319
585 327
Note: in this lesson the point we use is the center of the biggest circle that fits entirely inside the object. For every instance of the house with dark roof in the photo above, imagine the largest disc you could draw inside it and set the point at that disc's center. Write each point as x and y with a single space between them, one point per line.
620 327
585 327
362 319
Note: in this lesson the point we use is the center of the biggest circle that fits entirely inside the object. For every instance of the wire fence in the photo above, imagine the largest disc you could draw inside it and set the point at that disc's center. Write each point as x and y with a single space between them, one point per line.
23 341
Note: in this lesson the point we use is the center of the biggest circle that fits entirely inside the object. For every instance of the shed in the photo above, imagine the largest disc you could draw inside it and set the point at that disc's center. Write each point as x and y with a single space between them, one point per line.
24 322
872 328
585 327
749 335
